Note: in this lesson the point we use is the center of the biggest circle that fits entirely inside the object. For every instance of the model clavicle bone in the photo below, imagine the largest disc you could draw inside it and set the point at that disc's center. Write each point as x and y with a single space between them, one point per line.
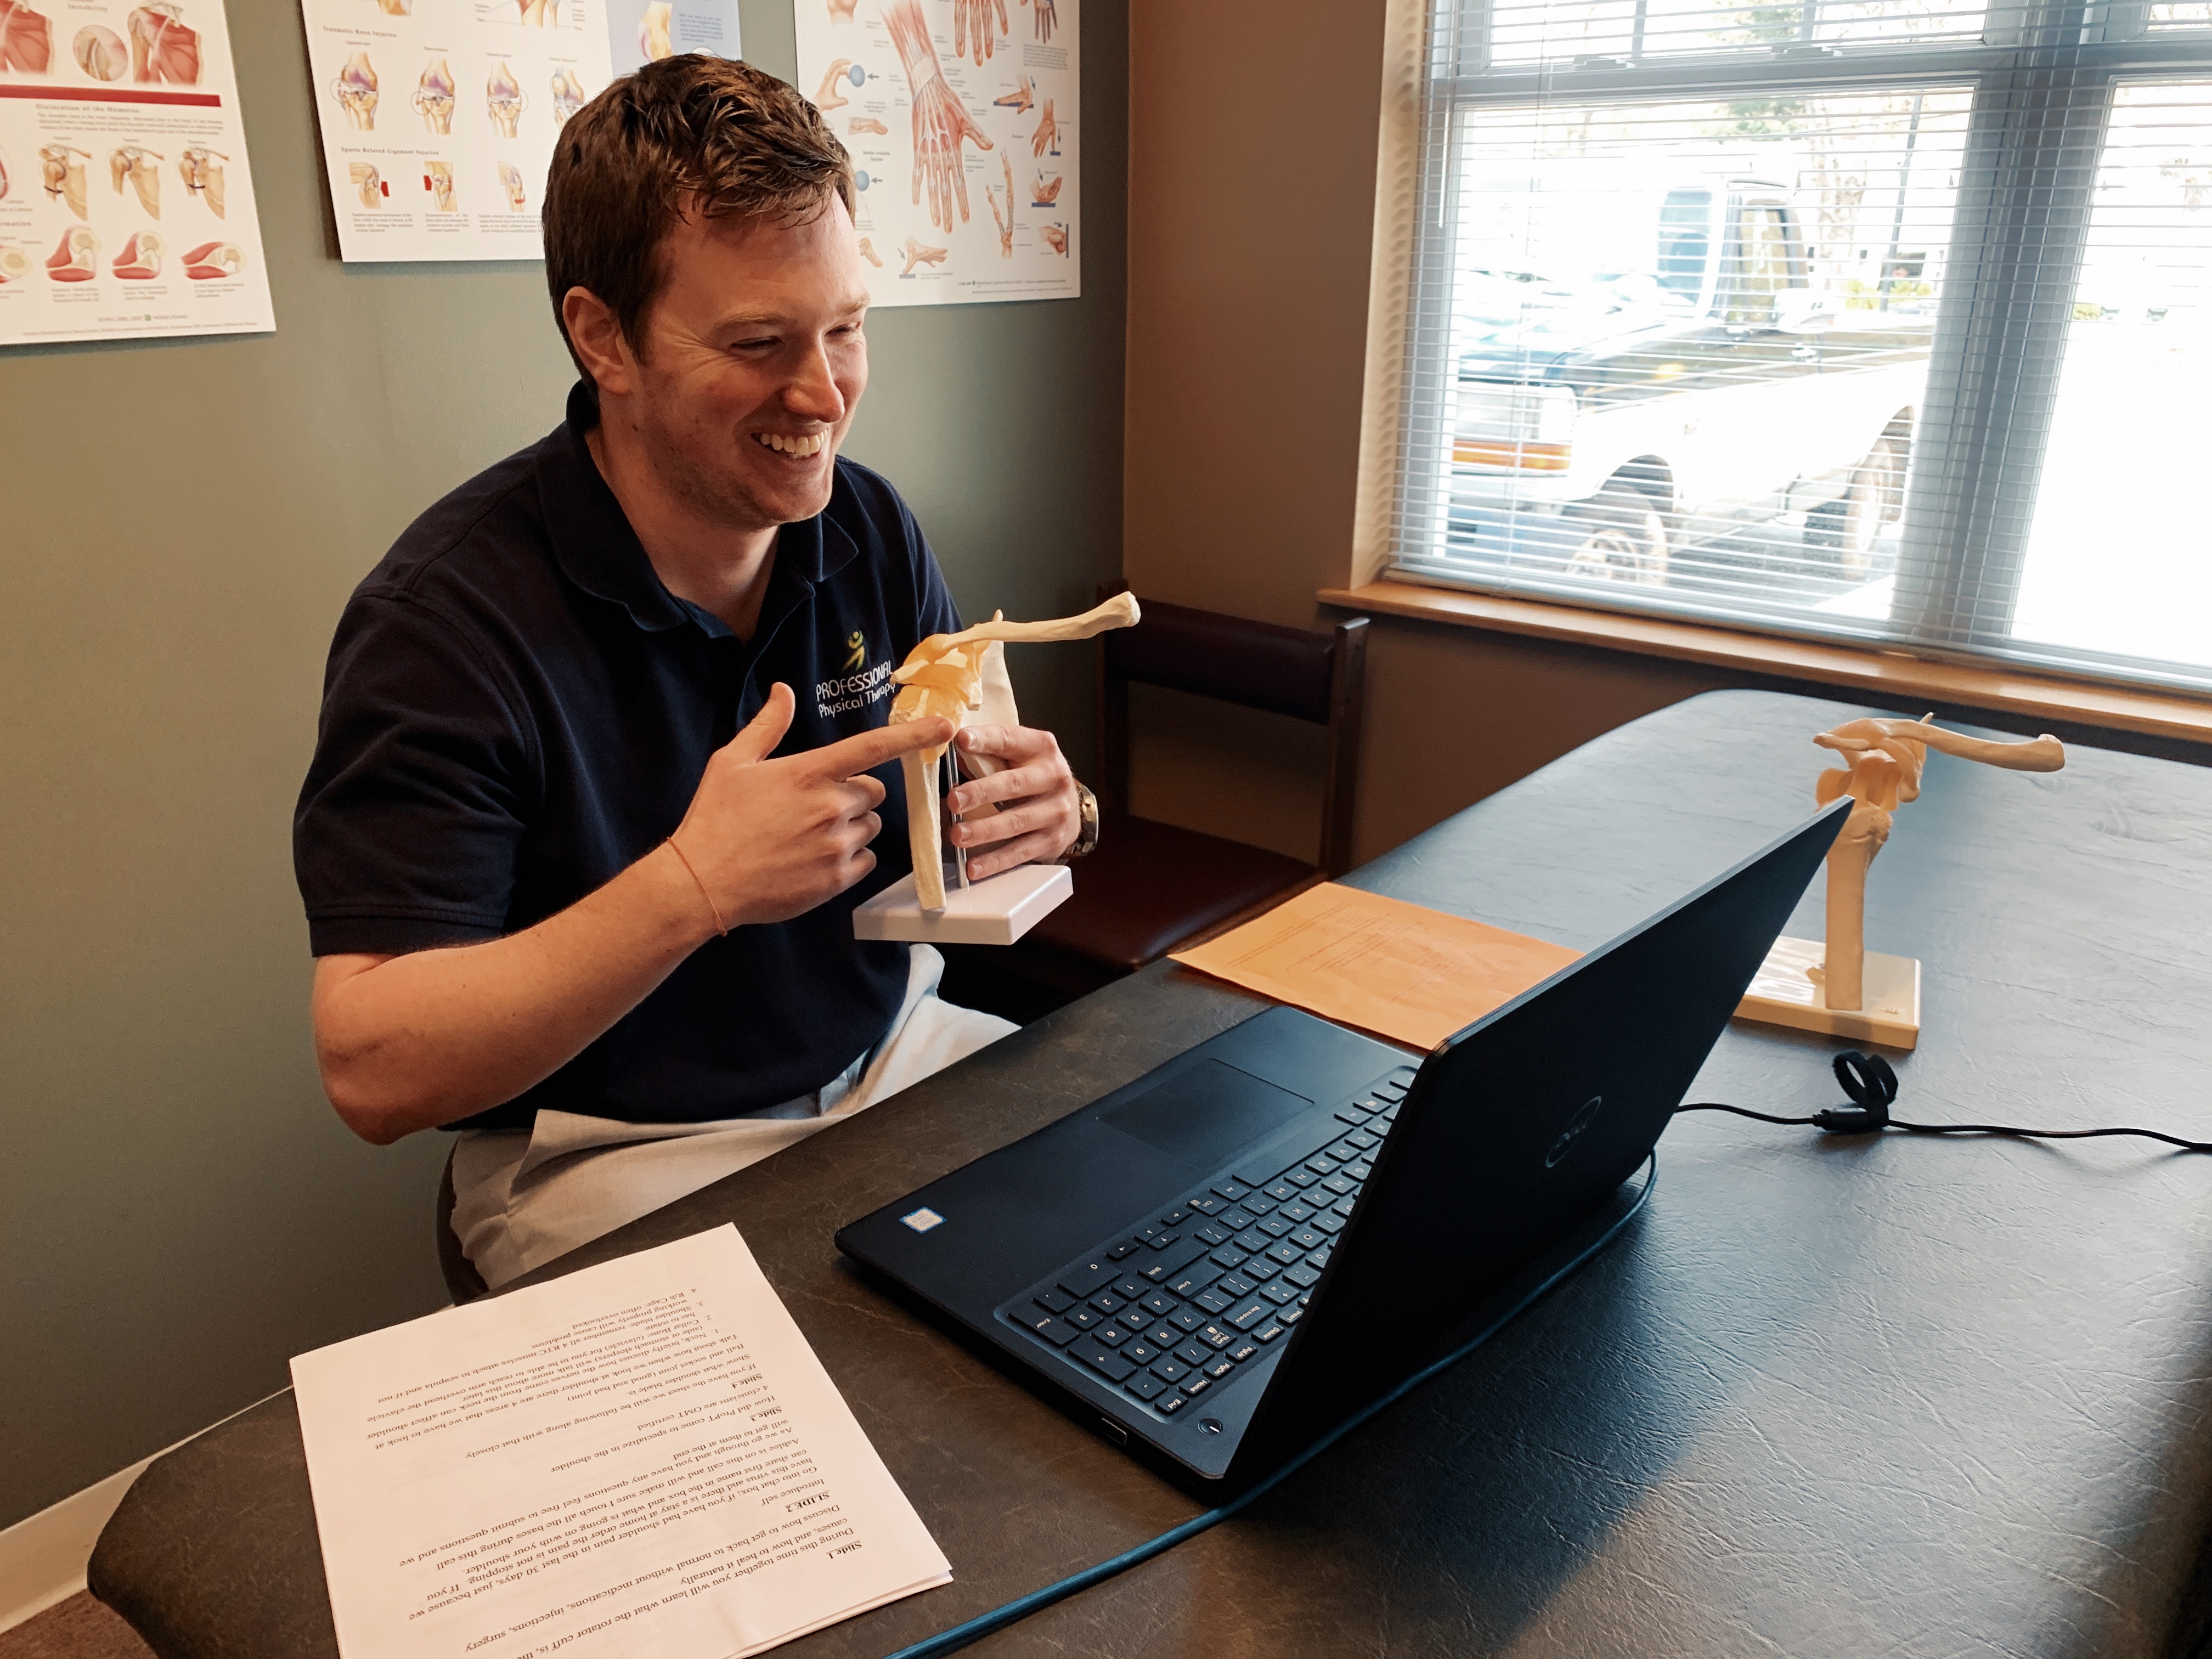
1883 760
954 676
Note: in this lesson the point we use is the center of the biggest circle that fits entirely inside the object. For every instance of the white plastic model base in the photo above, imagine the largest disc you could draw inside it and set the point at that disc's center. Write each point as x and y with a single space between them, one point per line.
1783 994
995 911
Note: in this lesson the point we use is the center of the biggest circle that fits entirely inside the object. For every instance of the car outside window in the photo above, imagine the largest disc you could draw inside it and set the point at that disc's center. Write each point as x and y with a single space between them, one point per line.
1871 319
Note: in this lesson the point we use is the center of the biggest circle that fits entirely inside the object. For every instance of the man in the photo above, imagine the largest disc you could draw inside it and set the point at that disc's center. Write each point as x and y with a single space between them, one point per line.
603 760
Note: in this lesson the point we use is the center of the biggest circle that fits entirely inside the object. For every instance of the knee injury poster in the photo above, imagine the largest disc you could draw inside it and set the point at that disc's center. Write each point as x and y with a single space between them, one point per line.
438 116
960 118
126 210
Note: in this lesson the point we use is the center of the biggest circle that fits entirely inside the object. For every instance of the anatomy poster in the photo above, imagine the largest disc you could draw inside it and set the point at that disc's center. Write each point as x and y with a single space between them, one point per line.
642 30
961 117
438 116
125 207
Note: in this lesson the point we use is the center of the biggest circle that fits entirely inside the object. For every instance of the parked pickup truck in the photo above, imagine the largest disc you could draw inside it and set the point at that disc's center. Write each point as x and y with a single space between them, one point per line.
1609 417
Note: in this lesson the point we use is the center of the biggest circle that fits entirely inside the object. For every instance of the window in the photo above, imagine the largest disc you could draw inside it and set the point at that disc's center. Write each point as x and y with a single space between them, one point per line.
1885 319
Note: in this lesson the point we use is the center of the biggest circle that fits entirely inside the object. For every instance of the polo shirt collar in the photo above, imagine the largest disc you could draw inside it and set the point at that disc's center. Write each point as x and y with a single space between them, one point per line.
598 551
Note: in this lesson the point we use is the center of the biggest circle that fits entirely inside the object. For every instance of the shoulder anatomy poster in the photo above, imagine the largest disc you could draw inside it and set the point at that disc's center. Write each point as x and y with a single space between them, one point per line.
961 117
125 207
438 116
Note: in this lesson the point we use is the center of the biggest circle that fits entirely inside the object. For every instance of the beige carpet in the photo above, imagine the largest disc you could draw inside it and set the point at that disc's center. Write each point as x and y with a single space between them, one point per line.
79 1628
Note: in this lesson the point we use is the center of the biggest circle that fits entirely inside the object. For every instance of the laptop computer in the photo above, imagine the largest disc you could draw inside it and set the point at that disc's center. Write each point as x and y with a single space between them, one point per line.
1218 1263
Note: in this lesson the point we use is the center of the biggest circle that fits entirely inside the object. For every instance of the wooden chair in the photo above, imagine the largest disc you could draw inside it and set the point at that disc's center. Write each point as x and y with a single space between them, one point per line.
1151 886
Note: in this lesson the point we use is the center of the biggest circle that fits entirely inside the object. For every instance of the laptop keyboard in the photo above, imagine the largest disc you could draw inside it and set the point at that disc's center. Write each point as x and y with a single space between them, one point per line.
1185 1301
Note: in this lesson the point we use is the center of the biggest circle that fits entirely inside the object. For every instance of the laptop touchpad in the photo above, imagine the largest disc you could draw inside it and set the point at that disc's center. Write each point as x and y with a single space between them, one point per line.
1205 1112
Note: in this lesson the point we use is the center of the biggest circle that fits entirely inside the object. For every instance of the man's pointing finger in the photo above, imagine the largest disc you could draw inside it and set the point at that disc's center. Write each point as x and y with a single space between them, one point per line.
869 750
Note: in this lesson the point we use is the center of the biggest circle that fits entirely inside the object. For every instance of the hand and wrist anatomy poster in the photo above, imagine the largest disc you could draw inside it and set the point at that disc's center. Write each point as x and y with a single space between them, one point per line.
438 116
125 208
961 117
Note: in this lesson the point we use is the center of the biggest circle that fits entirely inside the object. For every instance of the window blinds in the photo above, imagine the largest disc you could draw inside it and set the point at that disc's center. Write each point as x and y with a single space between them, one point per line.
1883 319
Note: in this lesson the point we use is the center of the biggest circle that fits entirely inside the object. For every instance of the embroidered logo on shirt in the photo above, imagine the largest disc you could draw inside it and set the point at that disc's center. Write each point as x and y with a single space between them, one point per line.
858 686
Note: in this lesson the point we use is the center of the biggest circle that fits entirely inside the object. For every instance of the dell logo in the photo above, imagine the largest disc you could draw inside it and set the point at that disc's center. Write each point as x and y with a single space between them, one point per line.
1584 1119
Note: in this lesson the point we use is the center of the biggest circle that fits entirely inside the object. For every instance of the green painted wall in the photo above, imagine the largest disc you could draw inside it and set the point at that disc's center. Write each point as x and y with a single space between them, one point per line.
179 1212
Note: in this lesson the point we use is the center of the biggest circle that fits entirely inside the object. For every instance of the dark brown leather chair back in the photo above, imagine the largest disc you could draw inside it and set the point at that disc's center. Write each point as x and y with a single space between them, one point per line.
1309 676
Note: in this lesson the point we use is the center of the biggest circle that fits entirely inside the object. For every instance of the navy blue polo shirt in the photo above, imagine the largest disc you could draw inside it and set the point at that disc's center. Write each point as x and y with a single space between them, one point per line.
516 709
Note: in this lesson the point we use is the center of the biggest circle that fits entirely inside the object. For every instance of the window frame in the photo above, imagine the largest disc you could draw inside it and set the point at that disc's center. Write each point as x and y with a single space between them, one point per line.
2042 80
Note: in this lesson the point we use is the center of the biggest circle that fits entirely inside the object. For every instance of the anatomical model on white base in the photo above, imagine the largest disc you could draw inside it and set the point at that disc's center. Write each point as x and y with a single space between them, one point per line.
1840 986
959 678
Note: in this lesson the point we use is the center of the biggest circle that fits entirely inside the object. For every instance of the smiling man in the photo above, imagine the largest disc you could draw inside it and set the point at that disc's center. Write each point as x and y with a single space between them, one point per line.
604 761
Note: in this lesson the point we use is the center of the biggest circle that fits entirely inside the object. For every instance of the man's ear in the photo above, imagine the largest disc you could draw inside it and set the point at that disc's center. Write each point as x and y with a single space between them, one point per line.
598 339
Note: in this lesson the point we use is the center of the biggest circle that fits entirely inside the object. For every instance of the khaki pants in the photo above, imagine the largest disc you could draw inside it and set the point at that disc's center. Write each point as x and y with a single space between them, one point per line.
523 1197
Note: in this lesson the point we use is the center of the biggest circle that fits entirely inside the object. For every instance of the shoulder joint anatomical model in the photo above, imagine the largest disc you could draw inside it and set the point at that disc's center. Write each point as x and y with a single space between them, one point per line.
962 678
1853 993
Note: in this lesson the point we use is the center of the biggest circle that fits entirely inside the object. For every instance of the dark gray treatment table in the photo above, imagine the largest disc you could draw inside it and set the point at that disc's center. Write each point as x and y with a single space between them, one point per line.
1825 1396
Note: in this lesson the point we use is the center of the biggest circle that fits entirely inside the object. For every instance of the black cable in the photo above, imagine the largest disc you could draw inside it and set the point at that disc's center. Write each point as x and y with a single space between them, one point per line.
1872 1085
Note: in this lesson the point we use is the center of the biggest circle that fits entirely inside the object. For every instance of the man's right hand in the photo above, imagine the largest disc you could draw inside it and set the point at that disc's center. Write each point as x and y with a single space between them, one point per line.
771 839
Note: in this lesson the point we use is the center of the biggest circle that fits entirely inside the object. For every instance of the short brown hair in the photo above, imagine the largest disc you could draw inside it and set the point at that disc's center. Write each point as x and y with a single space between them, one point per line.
685 135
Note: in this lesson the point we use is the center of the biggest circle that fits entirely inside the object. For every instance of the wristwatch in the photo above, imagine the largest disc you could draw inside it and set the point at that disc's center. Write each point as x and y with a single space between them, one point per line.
1087 842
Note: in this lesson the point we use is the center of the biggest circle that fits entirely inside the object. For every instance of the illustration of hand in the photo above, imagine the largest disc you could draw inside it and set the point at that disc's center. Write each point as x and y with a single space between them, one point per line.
868 252
356 91
434 96
1048 18
841 11
1020 99
1048 133
1047 191
973 17
940 120
868 123
1055 238
830 97
917 254
1006 224
504 101
653 41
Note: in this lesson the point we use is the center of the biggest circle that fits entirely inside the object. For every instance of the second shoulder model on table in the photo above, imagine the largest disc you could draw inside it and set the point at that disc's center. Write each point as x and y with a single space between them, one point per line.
603 765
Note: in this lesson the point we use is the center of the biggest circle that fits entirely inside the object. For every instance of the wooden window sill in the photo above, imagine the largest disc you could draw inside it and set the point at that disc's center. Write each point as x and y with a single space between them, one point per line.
1890 676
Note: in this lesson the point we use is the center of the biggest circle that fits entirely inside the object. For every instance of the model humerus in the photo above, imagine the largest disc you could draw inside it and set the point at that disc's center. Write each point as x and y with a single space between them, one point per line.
1882 762
959 675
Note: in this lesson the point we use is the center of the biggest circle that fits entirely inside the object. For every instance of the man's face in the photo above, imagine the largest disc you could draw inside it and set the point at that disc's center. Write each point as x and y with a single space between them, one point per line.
752 364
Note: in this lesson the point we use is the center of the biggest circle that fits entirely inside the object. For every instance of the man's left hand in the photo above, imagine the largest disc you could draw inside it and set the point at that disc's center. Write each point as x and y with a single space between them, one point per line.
1040 810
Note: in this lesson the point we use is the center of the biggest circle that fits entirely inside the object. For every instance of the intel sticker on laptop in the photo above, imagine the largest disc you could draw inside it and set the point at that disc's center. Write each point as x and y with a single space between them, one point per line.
923 1220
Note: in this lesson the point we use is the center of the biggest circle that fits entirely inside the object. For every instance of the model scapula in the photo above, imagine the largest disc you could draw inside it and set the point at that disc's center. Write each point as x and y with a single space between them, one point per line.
1883 760
953 675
